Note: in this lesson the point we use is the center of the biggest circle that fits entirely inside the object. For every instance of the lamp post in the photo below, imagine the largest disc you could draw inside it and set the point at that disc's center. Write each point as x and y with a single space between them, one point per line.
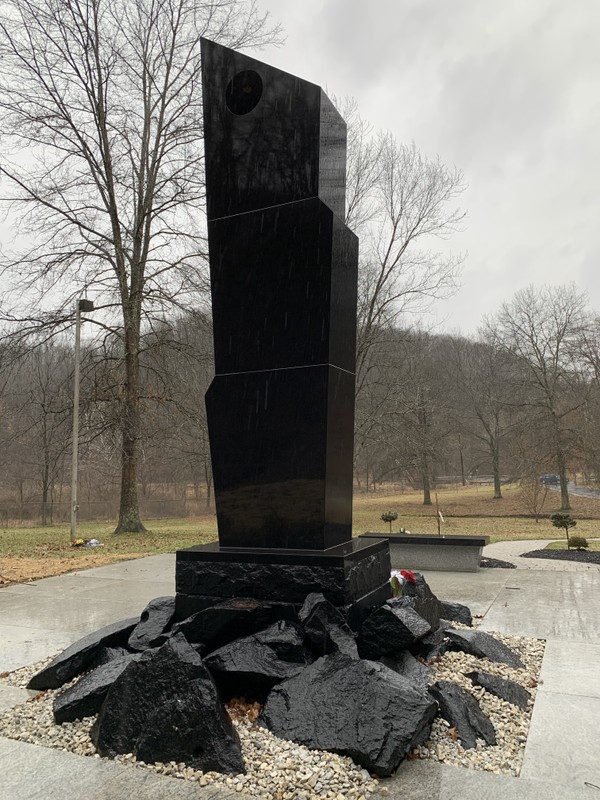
81 305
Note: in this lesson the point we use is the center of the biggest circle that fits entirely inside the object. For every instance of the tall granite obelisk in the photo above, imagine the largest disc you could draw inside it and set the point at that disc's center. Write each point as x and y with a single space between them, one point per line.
280 409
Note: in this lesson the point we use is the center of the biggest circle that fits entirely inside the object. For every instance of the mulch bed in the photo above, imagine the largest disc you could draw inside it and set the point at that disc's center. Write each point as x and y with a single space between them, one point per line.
496 563
586 557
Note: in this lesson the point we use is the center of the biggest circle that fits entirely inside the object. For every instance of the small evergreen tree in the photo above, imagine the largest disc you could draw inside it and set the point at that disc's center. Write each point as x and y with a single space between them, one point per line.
389 516
562 519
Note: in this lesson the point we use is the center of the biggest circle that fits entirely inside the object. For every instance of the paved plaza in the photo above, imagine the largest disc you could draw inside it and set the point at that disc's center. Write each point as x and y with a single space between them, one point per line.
556 601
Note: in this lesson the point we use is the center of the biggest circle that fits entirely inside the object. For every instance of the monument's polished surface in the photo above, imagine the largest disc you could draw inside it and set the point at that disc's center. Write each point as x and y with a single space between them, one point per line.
284 290
283 467
269 137
283 283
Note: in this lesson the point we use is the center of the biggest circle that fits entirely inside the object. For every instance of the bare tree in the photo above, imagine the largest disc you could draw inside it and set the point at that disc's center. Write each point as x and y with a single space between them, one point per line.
588 356
412 419
37 407
484 396
102 155
540 329
402 203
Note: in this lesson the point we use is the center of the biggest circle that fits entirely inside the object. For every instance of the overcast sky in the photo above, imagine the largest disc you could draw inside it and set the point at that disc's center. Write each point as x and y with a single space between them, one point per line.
507 91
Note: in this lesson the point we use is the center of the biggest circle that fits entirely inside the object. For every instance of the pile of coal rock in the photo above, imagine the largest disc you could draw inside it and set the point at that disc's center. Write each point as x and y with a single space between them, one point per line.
158 686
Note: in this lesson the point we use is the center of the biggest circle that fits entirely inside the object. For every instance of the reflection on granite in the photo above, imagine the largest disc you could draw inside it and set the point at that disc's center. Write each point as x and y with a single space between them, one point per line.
290 146
284 281
283 285
282 457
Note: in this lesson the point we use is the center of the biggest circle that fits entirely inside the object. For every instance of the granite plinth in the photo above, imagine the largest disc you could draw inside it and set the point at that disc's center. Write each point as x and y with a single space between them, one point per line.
281 448
283 284
353 577
269 136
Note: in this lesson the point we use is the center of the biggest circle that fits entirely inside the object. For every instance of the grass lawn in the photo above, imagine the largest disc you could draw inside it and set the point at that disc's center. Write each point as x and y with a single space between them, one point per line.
472 510
27 553
562 545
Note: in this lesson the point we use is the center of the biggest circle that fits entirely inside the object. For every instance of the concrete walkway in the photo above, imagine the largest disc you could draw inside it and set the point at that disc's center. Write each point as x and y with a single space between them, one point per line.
562 757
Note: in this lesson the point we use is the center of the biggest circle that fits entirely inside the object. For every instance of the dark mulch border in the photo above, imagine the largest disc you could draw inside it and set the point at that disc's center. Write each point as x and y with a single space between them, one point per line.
584 556
496 563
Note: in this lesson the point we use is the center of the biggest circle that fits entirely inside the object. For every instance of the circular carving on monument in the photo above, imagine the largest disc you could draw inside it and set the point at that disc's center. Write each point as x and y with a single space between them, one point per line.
243 92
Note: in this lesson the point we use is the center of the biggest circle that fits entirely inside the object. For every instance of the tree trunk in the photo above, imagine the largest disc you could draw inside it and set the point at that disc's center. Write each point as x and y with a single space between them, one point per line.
565 504
129 513
357 476
426 483
208 480
45 495
462 465
424 425
496 472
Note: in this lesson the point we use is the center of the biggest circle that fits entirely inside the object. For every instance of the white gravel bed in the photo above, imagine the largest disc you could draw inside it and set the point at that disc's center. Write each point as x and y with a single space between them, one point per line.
276 769
281 770
511 723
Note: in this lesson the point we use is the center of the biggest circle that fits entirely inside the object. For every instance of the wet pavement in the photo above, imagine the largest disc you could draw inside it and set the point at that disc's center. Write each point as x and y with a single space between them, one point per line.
556 601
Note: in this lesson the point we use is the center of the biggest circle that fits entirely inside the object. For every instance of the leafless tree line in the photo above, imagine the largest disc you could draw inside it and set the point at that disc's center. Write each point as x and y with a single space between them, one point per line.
519 400
102 176
102 160
35 430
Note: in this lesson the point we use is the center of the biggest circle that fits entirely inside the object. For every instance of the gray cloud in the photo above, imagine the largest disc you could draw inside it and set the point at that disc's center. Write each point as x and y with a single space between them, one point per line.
506 91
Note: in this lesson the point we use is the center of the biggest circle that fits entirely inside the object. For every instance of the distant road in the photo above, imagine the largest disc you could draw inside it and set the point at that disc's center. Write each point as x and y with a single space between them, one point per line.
579 491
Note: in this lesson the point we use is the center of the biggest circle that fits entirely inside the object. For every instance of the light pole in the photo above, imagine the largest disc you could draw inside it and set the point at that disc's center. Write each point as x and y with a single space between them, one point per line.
81 305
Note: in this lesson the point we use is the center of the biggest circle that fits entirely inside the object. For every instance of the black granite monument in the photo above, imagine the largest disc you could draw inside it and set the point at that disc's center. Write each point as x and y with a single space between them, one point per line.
281 406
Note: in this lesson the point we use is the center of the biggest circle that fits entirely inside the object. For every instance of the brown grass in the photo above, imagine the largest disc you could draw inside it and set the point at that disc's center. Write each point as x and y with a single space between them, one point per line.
472 510
28 553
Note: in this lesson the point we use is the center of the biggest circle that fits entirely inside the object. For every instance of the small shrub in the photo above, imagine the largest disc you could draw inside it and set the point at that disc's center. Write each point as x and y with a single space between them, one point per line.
579 542
389 516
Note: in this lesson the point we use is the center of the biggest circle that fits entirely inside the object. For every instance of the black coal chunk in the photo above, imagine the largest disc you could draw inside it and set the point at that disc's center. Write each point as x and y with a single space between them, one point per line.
503 688
435 644
419 596
106 654
389 630
154 621
463 712
87 695
325 627
165 707
232 619
352 707
482 645
251 666
409 667
456 612
80 655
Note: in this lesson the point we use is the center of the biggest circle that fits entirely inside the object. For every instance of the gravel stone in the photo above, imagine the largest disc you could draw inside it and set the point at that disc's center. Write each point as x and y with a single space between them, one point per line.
278 768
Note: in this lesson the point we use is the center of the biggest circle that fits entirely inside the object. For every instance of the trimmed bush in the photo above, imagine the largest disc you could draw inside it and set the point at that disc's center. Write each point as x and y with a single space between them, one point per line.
578 542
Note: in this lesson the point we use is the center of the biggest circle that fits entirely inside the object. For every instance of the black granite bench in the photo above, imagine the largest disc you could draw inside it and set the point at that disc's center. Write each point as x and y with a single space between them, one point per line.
445 553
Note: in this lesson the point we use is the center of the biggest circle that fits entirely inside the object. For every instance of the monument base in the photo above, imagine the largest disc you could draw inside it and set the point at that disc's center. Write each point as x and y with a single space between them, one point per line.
353 576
